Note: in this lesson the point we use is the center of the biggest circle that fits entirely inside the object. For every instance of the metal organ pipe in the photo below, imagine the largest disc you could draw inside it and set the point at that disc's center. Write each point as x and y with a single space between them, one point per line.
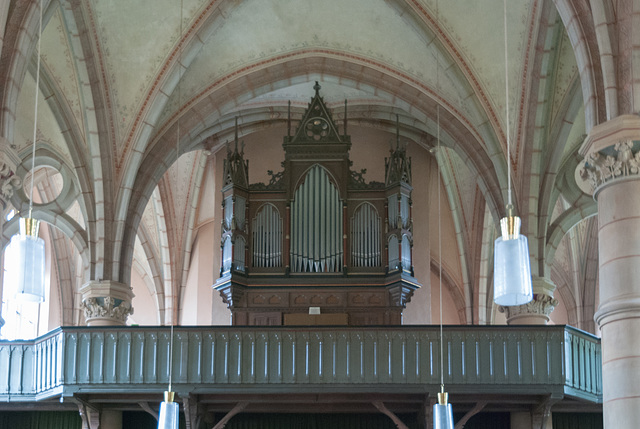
228 211
239 209
267 238
316 225
406 253
226 255
365 237
238 253
394 257
393 210
404 210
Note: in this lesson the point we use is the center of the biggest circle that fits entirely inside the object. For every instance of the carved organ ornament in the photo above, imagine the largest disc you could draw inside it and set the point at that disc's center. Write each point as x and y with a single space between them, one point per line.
317 234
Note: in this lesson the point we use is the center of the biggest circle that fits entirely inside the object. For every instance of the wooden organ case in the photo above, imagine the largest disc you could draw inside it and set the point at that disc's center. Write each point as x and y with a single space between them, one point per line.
317 245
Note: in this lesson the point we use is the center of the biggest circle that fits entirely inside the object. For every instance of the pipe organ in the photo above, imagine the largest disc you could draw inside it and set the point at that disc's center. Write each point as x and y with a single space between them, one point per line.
317 235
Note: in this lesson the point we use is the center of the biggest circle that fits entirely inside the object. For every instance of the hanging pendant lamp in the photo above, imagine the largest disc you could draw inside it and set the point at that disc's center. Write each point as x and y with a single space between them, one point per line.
27 265
442 413
169 417
511 266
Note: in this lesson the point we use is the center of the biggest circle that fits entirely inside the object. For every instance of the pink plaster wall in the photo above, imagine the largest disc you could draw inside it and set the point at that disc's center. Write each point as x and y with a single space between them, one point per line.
145 310
449 310
559 315
201 305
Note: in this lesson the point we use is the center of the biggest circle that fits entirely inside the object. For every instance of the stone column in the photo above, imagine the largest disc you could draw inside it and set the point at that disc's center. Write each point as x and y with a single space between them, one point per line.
106 302
9 182
611 171
538 310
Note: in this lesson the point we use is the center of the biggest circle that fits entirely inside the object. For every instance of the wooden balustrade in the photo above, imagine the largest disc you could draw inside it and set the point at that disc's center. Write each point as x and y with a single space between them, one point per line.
477 359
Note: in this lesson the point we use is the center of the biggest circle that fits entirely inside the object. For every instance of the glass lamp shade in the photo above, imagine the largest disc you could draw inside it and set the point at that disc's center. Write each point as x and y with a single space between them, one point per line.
169 417
442 416
27 264
512 271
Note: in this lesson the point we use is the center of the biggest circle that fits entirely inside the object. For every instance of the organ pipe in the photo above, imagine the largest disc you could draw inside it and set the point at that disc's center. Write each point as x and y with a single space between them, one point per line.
316 225
392 201
406 253
228 211
365 237
267 238
239 209
226 255
238 253
394 256
404 210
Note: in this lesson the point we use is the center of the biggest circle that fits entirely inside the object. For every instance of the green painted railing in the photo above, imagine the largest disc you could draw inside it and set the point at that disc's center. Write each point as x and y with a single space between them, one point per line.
553 359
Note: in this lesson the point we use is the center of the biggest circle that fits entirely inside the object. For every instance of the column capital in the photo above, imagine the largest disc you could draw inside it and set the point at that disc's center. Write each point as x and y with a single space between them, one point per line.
9 182
106 302
611 152
535 312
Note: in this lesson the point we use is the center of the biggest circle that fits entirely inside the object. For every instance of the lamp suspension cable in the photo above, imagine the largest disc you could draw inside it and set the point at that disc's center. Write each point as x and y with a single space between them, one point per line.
440 255
439 215
35 116
442 411
506 91
169 416
512 269
170 356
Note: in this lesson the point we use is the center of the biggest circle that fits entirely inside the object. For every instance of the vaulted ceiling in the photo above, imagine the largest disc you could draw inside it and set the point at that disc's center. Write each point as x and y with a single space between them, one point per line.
121 79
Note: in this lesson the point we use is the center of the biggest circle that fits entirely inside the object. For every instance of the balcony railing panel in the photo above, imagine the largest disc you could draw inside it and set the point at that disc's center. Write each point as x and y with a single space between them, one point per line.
474 358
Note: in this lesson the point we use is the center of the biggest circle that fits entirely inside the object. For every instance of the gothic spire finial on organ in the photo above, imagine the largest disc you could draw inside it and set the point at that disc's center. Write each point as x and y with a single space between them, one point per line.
345 118
235 167
317 127
236 134
397 131
398 165
289 121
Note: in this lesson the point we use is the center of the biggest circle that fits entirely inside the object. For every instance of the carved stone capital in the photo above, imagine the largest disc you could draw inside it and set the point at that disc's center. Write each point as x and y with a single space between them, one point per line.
106 303
9 161
622 160
9 182
536 312
611 152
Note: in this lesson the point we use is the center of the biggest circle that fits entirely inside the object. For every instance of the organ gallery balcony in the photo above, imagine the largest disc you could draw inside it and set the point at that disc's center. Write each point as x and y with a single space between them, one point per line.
267 369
